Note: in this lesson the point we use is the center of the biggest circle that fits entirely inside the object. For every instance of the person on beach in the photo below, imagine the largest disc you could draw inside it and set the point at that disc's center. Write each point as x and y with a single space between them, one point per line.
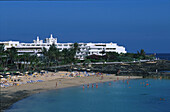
96 85
83 86
56 84
101 77
160 78
92 85
118 72
87 85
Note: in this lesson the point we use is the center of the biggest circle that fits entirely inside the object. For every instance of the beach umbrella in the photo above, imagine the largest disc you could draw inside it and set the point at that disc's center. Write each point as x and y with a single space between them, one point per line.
88 69
75 68
83 68
7 73
35 73
1 76
42 70
17 72
13 77
3 79
19 76
26 72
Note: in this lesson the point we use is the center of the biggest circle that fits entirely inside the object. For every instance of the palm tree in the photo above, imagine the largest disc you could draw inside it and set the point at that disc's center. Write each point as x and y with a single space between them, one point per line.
103 52
44 51
142 52
53 54
34 61
75 48
45 55
12 52
66 56
1 48
2 54
17 59
25 58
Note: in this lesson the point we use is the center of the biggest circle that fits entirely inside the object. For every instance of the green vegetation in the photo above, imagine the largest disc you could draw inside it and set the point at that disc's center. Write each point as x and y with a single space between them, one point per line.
11 60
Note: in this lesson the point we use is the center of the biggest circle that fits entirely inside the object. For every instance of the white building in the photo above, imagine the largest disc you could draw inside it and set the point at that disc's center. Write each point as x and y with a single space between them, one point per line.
86 49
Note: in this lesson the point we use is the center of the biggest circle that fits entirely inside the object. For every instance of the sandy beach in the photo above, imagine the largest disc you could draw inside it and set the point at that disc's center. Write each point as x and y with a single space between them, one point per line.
13 94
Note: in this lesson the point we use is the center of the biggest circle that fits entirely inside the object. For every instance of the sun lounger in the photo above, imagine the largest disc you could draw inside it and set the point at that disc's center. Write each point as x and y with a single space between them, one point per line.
39 80
6 85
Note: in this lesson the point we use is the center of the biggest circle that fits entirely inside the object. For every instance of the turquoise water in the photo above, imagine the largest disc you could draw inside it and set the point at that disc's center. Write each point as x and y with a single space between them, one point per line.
117 97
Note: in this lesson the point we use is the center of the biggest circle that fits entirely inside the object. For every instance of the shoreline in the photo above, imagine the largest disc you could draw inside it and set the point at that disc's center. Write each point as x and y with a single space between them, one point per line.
13 94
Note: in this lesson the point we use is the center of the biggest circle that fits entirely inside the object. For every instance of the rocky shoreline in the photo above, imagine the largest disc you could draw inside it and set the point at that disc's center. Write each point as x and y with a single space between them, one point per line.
136 69
145 69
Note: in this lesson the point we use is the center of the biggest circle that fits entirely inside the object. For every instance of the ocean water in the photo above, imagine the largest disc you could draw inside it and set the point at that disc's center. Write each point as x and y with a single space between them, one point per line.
140 95
165 56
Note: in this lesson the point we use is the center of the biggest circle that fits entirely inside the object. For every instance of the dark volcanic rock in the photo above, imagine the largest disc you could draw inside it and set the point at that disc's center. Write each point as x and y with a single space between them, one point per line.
134 69
7 100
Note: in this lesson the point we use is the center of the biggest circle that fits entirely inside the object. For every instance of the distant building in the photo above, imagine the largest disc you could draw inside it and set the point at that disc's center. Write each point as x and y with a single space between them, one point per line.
86 49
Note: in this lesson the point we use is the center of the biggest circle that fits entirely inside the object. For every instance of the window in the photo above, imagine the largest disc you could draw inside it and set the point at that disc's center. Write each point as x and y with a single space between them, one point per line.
110 48
7 44
100 45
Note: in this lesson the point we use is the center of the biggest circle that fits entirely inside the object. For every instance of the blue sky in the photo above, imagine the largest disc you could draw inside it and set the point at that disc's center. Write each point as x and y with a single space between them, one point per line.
135 24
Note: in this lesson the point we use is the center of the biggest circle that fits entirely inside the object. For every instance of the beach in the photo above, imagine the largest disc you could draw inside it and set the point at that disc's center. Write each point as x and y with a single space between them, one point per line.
13 94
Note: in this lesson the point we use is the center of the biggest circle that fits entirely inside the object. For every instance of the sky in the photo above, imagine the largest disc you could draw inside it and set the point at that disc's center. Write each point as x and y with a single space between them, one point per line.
134 24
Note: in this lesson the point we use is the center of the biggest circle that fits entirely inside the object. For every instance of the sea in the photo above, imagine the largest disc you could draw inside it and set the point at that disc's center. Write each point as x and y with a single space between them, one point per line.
137 95
165 56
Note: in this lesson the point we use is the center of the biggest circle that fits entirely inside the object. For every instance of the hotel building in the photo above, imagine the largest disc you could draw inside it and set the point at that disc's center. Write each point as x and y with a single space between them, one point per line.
86 49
